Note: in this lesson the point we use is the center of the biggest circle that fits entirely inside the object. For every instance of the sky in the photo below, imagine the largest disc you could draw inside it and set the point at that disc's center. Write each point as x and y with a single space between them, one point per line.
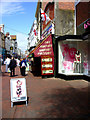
18 17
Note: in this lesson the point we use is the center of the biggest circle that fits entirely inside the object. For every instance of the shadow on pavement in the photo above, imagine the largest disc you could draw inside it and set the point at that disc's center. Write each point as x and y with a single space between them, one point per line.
66 103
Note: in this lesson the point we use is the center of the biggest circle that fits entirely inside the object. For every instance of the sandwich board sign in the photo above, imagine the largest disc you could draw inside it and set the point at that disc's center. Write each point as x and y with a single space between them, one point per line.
18 90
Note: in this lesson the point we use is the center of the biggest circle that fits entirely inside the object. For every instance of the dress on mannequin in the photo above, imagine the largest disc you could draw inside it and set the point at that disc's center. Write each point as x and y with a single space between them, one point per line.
77 62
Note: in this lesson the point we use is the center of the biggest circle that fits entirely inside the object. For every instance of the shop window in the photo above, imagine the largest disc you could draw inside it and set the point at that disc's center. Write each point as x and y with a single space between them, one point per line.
73 57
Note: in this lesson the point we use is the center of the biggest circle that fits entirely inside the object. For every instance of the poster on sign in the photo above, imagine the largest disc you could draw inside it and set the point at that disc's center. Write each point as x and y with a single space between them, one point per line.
47 65
18 90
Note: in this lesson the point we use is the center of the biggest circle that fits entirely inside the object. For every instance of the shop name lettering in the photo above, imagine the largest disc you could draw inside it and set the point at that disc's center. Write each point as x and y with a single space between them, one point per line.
86 25
44 46
44 53
45 49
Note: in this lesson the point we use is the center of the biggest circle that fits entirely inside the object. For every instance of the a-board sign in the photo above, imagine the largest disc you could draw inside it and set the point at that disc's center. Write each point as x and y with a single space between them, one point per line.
18 90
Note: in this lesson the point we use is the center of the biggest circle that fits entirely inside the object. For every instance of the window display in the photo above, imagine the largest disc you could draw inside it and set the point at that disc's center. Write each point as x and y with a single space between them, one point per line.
71 57
77 62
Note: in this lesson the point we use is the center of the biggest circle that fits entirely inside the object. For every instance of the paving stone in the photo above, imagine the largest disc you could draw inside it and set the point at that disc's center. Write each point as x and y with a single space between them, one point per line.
47 98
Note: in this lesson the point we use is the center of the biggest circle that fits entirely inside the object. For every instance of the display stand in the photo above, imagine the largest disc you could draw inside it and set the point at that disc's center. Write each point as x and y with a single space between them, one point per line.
18 90
77 63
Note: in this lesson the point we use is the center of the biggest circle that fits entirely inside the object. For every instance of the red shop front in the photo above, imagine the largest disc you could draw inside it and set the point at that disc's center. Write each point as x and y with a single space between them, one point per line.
44 56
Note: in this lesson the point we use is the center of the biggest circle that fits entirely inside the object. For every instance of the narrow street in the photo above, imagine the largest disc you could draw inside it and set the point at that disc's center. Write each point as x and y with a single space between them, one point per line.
47 98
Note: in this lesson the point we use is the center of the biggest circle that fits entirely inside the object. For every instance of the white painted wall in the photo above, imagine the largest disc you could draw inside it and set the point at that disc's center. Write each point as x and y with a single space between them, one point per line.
32 38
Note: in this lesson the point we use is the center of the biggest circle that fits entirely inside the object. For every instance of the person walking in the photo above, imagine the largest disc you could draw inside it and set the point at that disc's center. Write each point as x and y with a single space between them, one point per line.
12 66
7 62
20 66
18 62
27 68
23 67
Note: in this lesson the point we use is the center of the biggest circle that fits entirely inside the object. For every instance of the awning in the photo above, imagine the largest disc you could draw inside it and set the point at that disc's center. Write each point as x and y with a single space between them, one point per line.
44 48
72 37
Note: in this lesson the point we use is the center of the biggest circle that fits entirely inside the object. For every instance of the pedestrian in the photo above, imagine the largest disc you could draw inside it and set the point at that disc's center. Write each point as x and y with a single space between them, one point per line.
7 62
27 68
20 66
23 66
12 66
18 61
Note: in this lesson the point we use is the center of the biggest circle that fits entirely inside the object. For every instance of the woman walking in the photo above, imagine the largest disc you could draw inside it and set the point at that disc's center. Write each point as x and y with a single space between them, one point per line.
23 67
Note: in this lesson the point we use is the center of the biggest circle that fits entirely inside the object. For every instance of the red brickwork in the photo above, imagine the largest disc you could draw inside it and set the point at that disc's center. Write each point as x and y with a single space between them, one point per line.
44 5
66 5
45 2
82 10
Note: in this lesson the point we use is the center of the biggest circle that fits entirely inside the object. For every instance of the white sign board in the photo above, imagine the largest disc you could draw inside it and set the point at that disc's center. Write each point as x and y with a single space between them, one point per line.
18 90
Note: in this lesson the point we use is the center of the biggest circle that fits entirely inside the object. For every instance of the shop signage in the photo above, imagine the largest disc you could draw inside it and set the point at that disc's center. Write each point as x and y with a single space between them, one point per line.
18 90
87 24
45 48
47 65
83 27
13 37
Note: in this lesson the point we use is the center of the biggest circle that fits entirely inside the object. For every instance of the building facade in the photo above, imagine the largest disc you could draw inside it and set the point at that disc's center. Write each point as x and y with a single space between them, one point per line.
2 42
61 15
70 36
57 25
38 19
73 50
83 29
32 39
7 43
13 45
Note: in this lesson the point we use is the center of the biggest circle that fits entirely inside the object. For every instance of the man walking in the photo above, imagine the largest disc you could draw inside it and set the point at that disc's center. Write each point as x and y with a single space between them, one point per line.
7 62
12 66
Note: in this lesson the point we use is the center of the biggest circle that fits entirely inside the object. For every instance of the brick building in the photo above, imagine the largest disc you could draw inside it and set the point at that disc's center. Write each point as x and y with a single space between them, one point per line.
62 16
82 16
61 22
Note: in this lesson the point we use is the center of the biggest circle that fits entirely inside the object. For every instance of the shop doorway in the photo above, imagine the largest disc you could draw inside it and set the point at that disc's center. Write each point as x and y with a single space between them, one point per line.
36 68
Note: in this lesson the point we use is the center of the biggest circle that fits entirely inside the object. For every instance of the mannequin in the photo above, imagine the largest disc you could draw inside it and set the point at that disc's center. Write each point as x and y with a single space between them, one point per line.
78 57
77 62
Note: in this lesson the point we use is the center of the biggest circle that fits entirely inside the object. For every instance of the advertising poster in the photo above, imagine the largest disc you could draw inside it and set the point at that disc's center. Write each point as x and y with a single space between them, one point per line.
18 89
47 65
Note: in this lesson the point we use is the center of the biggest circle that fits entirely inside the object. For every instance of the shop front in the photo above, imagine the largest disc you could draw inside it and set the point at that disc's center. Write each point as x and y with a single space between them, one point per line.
3 54
43 58
72 58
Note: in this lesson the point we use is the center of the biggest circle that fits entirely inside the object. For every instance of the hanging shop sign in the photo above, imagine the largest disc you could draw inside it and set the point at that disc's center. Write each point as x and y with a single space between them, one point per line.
87 24
18 90
13 37
45 48
47 65
83 27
